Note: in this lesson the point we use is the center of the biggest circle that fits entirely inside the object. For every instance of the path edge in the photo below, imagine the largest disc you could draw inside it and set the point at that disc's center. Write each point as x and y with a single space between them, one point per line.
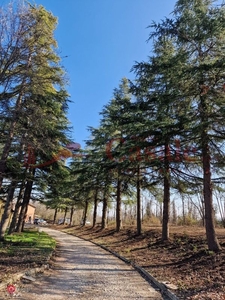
164 290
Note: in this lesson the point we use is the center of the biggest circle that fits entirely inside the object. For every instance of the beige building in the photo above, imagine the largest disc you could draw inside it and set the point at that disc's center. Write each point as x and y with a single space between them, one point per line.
30 214
30 211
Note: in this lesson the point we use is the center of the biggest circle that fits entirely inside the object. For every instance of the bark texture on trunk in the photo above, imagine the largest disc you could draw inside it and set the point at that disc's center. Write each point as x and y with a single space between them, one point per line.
12 227
139 229
85 213
118 205
55 215
212 241
95 208
166 196
26 200
71 215
7 210
104 211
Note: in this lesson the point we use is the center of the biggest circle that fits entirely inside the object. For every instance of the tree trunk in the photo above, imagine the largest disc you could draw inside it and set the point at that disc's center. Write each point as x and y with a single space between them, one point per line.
104 211
17 208
65 213
55 215
174 214
95 208
71 215
85 213
125 214
183 209
118 205
7 210
26 199
166 197
203 211
139 229
25 214
212 240
22 186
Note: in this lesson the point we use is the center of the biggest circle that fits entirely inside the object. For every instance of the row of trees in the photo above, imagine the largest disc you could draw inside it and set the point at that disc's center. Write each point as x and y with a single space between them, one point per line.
165 130
162 132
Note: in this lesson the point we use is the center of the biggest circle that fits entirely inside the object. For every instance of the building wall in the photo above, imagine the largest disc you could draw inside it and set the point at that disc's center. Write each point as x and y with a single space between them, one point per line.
30 214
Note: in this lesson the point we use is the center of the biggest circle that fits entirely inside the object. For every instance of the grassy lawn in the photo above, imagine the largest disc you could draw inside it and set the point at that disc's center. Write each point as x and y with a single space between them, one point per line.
28 249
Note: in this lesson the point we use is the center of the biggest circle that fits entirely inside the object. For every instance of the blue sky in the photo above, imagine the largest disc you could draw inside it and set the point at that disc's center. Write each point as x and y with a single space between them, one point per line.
102 39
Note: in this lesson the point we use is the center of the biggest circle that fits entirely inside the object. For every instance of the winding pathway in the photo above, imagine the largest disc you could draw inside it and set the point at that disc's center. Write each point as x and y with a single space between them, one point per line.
83 270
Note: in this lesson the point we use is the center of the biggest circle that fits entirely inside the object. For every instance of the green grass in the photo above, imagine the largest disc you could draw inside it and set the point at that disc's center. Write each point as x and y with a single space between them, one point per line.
36 245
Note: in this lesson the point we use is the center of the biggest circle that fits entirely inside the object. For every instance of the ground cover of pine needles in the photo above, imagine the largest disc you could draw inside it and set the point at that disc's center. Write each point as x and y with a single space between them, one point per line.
184 260
22 251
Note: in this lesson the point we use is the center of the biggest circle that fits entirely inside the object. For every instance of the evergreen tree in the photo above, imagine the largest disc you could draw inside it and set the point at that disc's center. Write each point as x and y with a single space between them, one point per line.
198 31
37 121
161 115
37 74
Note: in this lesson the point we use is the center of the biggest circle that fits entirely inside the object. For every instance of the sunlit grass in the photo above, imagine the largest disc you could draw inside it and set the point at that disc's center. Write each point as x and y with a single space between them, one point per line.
28 242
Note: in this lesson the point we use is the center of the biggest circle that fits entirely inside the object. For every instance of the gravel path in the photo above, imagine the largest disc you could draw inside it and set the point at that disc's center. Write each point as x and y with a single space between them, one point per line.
85 271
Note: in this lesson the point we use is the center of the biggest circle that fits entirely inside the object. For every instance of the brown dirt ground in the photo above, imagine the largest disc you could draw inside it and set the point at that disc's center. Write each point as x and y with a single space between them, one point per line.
20 260
184 260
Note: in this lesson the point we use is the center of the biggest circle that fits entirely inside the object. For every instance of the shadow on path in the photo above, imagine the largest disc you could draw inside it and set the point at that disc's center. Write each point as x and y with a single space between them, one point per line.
82 270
